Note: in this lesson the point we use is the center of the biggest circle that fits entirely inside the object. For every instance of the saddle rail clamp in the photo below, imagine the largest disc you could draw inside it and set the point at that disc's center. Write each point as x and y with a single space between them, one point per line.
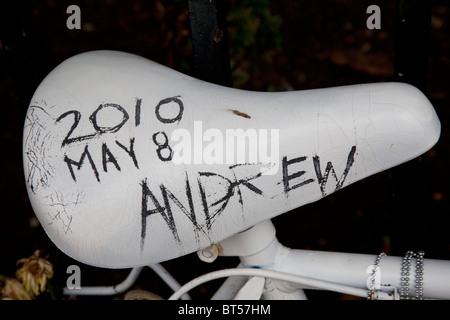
129 163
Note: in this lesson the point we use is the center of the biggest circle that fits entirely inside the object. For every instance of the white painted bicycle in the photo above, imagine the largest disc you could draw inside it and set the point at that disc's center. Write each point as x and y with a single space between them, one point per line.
129 164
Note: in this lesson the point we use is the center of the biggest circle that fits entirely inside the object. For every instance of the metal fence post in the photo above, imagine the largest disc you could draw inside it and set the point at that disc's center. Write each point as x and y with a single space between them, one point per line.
210 41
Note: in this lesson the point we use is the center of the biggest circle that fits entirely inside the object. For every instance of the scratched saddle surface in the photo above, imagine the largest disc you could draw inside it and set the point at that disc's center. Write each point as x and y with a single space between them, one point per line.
129 163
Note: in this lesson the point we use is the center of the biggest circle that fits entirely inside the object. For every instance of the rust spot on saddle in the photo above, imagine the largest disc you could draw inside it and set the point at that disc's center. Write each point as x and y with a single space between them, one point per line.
241 114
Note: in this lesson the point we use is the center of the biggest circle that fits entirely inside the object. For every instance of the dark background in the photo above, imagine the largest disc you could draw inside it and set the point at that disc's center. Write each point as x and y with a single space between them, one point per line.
274 46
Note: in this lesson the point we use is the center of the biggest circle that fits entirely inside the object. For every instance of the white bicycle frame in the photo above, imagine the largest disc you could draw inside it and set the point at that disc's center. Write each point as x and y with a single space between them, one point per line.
270 271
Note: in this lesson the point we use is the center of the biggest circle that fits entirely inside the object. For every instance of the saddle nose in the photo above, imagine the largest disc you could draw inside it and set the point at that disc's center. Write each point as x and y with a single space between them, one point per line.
129 163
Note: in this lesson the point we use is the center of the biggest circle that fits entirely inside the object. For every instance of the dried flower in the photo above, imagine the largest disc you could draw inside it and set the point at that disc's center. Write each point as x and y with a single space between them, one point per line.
34 273
12 289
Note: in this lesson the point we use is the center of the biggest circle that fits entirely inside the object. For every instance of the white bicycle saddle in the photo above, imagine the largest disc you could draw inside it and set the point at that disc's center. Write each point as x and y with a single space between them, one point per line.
129 163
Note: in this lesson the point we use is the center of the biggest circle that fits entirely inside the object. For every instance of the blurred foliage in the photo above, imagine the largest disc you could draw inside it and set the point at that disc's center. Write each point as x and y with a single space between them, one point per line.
254 36
160 31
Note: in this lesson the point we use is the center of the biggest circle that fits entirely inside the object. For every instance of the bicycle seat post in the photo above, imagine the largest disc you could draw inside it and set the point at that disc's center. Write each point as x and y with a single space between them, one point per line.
258 247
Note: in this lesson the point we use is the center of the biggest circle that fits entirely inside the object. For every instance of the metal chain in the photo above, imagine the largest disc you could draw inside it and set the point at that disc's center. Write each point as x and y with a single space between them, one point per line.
404 279
405 273
405 276
419 275
371 294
